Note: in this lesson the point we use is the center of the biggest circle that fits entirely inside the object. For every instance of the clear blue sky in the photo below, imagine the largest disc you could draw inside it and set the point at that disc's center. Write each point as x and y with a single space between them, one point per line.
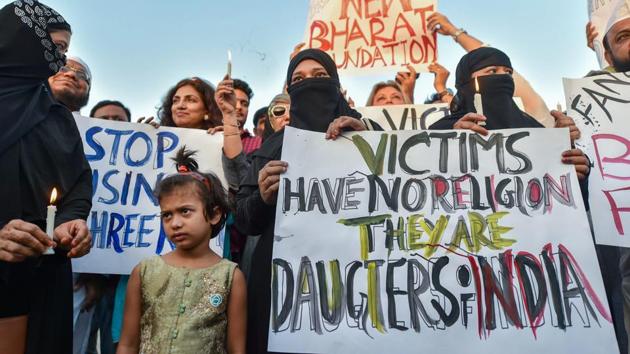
137 49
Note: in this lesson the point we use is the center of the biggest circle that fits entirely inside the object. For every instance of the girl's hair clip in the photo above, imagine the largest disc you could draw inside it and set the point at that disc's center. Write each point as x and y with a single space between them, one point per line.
184 170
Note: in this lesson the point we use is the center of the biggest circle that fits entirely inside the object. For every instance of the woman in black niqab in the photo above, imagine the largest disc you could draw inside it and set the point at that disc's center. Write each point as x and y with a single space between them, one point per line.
40 148
497 92
496 87
316 100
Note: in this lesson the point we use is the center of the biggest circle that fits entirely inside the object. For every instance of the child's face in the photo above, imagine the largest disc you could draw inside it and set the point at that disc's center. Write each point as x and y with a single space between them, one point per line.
183 219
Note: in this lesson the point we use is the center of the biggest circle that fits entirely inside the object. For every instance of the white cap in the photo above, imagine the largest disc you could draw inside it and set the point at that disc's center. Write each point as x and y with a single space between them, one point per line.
620 13
604 15
84 65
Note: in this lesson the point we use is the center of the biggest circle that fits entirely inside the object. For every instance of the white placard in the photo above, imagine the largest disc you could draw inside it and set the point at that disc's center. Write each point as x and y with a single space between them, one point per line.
434 241
600 106
127 160
405 117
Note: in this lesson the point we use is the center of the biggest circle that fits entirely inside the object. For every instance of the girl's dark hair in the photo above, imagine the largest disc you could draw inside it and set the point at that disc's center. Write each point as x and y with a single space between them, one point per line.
205 90
207 185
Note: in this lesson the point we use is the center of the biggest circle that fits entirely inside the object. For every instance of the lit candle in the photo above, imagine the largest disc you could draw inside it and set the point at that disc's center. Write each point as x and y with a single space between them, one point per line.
50 218
477 101
229 68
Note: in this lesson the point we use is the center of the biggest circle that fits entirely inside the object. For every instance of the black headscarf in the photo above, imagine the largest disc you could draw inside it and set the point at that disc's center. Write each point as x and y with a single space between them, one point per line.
40 148
315 102
40 145
24 72
497 93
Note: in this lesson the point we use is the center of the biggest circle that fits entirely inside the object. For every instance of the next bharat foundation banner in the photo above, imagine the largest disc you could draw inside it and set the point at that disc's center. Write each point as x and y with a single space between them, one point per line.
434 241
366 36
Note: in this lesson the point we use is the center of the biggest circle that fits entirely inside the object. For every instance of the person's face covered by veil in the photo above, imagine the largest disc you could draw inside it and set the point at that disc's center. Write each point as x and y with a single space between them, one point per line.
314 89
487 71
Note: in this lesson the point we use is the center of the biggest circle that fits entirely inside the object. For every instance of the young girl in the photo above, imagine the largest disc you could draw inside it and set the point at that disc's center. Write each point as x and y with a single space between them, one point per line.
189 300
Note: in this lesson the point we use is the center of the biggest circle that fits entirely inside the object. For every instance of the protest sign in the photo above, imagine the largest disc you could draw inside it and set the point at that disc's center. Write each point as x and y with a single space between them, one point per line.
366 36
434 241
405 117
599 105
603 14
127 160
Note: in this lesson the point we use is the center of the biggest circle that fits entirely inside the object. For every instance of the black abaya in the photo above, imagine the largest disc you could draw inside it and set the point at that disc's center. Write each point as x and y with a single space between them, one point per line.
40 148
315 103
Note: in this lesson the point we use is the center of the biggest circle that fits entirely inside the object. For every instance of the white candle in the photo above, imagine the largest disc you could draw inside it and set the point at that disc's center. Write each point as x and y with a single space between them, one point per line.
50 218
559 107
229 68
477 101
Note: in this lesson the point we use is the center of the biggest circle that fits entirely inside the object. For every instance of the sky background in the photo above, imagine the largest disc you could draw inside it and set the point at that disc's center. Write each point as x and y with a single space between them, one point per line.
138 49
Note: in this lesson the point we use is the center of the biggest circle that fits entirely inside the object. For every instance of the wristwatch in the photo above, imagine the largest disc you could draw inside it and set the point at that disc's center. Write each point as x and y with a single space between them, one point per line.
458 33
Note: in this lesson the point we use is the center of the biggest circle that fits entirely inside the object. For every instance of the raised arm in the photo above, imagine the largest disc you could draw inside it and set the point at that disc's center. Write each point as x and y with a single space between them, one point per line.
534 105
441 24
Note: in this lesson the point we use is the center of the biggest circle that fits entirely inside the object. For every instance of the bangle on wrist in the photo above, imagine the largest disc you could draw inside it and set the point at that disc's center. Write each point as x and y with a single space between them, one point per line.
236 125
231 134
458 33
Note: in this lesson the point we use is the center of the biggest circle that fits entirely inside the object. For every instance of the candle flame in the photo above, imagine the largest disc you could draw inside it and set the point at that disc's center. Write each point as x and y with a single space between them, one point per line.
53 196
476 84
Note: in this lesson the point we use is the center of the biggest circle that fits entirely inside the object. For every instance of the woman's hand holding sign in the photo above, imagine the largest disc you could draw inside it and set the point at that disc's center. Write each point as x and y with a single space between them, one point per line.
269 180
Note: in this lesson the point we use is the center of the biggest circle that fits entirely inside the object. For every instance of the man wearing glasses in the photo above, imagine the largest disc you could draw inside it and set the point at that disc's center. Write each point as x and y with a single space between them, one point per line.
71 84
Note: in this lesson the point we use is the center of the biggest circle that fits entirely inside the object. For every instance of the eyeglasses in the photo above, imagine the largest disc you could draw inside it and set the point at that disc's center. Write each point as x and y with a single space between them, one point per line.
80 74
278 110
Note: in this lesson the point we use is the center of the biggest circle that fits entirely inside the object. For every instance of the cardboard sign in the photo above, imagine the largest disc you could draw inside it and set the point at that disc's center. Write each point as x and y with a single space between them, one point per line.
600 106
366 36
405 117
127 161
434 241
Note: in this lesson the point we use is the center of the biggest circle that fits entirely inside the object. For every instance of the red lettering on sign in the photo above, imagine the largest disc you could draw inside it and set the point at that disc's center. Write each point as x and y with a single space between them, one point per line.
615 209
357 4
322 29
623 159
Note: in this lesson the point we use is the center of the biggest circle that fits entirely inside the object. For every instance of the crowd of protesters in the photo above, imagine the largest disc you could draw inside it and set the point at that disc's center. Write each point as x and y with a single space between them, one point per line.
45 308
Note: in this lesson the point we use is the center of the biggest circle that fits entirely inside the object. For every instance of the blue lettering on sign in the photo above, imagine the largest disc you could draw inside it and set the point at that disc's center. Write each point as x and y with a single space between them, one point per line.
129 230
94 182
99 152
162 148
116 223
129 145
117 231
142 230
142 182
98 228
166 142
110 188
120 231
117 134
119 192
125 190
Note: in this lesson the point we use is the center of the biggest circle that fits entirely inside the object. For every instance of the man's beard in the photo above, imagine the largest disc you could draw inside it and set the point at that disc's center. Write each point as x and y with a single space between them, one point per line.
73 102
621 66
